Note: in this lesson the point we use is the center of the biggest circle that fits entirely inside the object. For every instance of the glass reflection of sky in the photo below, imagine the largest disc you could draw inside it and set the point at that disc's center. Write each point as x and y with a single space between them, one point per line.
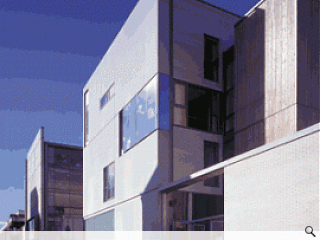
145 112
139 116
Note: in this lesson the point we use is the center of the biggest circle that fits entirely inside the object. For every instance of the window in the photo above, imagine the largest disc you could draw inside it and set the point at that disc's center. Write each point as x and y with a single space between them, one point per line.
228 75
228 114
196 107
108 182
102 222
139 116
107 96
211 58
211 157
86 118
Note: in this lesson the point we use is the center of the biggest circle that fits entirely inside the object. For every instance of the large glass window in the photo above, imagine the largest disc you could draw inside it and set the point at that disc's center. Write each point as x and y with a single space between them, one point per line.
211 58
102 222
63 187
86 118
139 117
147 111
196 107
108 182
205 205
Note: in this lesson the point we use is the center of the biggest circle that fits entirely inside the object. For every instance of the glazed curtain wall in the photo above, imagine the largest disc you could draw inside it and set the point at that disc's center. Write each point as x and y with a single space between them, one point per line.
64 189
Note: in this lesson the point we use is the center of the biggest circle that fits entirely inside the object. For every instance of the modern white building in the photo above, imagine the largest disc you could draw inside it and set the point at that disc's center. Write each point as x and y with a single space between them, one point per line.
188 112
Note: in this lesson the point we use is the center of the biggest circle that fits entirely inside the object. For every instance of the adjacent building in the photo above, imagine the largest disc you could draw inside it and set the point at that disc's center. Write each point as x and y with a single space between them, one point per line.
53 186
16 222
199 119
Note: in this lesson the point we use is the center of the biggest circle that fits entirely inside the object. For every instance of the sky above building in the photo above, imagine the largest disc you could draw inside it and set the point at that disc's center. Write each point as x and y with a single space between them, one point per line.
48 51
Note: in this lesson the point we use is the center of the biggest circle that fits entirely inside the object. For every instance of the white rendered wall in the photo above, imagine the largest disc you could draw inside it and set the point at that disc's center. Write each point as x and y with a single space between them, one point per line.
131 62
139 214
188 156
99 154
192 19
34 175
275 189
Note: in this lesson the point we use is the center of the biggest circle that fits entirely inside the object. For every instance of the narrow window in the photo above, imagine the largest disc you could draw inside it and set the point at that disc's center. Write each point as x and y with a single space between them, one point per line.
228 101
107 96
211 157
108 182
211 58
86 118
179 111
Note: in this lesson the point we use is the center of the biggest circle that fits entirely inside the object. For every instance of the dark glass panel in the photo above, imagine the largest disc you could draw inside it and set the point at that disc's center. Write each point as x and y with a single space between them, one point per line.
211 157
198 109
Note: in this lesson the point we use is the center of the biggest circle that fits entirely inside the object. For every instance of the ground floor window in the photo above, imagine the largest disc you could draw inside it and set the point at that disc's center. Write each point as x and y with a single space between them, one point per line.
102 222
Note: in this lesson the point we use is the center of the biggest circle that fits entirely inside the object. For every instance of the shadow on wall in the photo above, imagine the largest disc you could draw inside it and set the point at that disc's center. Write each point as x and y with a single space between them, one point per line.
250 99
151 205
34 222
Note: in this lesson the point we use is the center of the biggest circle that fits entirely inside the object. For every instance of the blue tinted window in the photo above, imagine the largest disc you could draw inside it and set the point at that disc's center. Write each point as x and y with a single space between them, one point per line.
103 101
164 102
146 112
103 222
139 116
108 182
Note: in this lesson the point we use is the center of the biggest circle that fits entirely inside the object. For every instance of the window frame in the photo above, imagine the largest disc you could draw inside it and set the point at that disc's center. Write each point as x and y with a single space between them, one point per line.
186 107
213 61
208 182
86 118
107 96
107 193
229 89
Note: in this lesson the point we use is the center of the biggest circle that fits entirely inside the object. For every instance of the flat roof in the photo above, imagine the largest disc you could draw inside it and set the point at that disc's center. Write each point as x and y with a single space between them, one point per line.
222 9
63 145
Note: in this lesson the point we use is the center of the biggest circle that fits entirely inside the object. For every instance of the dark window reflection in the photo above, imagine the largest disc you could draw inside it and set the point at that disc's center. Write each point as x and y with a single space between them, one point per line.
211 58
64 189
211 157
203 109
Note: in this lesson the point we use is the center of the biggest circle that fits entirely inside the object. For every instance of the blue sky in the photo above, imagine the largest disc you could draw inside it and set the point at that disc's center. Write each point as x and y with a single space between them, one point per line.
48 51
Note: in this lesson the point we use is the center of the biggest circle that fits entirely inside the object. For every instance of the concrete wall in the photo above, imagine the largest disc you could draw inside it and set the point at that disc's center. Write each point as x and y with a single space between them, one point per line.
35 184
191 20
266 78
139 214
131 62
101 151
277 71
188 156
276 186
139 53
308 63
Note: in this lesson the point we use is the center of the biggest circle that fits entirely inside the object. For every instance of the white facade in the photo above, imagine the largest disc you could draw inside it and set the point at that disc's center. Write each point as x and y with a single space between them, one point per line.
140 115
152 49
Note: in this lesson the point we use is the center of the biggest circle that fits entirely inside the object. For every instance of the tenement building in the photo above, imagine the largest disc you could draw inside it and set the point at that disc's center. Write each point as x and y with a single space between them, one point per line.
53 186
199 119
